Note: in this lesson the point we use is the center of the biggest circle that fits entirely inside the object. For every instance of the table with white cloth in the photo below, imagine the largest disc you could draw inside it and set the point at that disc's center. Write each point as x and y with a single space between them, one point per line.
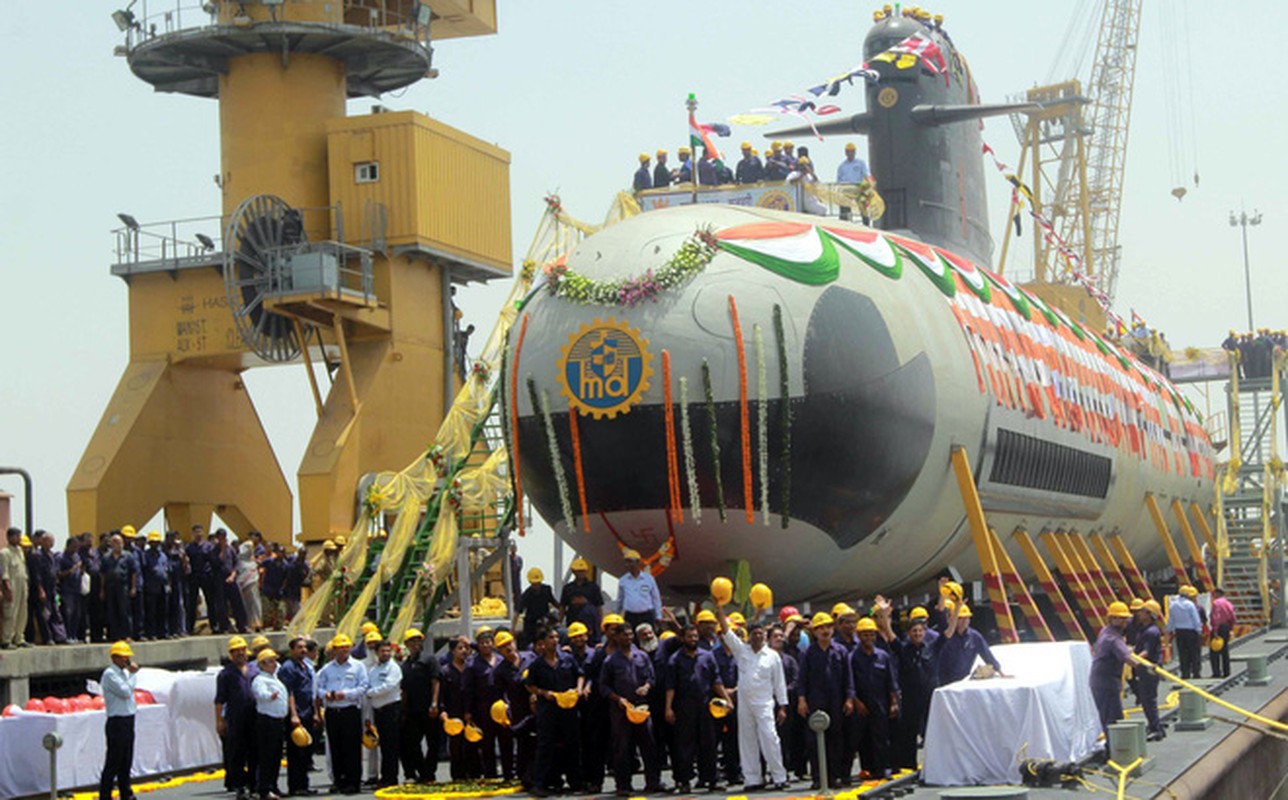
979 730
175 734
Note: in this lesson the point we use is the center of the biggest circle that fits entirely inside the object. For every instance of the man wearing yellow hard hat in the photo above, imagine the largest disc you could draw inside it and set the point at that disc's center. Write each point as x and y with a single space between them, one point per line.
824 681
638 598
341 687
643 175
535 606
272 706
684 172
120 571
297 676
420 726
964 643
581 599
235 718
625 680
550 676
874 699
118 683
1110 653
1148 645
517 740
661 172
916 661
750 170
1186 627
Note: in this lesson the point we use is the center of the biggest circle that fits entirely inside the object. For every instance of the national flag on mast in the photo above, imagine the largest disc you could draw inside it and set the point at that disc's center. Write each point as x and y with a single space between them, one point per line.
700 136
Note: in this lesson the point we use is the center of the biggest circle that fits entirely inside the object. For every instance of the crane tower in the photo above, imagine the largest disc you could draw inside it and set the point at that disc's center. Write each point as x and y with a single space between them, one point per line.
338 241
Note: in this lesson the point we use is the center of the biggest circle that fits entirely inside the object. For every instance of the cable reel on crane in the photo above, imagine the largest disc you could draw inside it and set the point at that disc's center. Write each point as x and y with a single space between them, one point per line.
262 232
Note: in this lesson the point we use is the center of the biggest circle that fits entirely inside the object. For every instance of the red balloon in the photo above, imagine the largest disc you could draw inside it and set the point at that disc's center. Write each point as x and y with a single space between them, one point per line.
97 703
143 697
77 704
36 704
55 705
9 710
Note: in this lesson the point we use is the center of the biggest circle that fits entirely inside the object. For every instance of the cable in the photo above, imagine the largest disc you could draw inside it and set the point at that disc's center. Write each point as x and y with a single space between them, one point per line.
1123 772
1213 698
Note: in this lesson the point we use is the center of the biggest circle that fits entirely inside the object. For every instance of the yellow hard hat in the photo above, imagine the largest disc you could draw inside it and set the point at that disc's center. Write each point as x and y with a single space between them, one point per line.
630 555
804 160
664 635
340 640
501 713
266 654
719 707
684 151
503 638
736 618
745 146
535 575
761 596
775 145
644 158
952 590
1136 604
843 610
301 737
370 737
1216 644
154 536
25 541
368 627
259 641
964 613
610 620
706 615
1154 608
722 590
580 564
486 630
867 624
567 699
820 619
453 726
373 637
473 733
1189 591
236 643
637 714
850 147
127 531
1118 609
121 648
329 546
341 541
797 618
412 633
661 153
787 144
578 629
919 613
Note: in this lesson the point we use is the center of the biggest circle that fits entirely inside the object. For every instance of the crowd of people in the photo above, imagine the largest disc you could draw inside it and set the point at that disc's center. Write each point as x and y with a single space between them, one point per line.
140 586
782 162
1256 351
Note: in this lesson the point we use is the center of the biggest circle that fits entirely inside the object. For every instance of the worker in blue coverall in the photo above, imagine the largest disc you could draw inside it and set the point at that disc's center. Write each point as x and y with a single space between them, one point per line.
824 686
1109 654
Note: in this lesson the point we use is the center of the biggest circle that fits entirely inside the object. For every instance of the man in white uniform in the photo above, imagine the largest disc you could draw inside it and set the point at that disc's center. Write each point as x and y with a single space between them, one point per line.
762 704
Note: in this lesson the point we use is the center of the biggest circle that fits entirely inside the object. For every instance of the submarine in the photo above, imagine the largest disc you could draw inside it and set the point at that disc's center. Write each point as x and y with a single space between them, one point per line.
710 382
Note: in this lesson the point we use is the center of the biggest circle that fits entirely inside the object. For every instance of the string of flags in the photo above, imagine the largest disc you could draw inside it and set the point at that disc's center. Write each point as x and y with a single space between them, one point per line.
1071 257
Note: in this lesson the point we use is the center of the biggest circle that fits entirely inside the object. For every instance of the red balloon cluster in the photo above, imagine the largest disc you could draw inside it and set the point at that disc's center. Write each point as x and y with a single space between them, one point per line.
73 705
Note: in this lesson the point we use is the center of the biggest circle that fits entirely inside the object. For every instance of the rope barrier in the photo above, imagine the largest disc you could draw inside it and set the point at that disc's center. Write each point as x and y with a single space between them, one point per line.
1213 698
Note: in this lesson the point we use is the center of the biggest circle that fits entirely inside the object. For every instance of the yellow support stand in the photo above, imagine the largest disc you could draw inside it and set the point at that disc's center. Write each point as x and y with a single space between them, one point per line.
983 546
1120 583
1081 596
1196 554
1129 566
1047 581
1019 590
1173 556
1200 519
1094 573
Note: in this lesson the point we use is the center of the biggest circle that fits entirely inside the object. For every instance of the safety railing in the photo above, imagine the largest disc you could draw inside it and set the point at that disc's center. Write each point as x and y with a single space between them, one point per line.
174 244
323 267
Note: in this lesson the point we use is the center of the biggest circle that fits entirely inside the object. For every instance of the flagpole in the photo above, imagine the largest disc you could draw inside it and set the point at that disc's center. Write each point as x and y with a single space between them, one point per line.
692 105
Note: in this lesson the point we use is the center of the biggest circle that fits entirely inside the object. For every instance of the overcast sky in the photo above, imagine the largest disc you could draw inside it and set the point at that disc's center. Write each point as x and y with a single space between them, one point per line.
575 90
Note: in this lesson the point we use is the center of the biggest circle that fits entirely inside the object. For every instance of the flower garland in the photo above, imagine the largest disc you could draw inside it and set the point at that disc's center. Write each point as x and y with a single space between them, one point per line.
715 437
785 458
686 435
542 403
456 790
690 260
676 505
762 423
744 420
575 433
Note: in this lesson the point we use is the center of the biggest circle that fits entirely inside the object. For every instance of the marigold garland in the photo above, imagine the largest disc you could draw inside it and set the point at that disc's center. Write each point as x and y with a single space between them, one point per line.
762 423
514 425
456 790
744 420
690 260
715 436
541 402
785 457
575 433
686 435
676 509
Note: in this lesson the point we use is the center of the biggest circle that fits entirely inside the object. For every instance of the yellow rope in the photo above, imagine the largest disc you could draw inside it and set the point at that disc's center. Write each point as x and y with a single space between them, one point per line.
1213 698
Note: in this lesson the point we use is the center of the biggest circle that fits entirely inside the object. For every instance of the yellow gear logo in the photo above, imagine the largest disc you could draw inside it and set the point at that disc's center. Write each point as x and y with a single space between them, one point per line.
605 368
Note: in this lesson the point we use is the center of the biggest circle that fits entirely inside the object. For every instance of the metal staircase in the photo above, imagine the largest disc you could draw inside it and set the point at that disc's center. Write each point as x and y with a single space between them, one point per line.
1253 570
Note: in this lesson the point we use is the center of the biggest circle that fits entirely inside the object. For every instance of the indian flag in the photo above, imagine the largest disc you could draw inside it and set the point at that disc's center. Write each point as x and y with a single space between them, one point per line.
700 136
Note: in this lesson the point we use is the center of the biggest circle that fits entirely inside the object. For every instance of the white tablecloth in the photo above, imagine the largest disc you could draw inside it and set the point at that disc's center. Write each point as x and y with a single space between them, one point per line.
977 729
169 736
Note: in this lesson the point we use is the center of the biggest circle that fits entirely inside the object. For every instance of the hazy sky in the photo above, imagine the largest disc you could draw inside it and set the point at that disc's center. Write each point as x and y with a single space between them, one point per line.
574 90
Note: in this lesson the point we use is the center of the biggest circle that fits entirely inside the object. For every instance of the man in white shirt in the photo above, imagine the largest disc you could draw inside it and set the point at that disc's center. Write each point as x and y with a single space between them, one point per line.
638 598
385 698
118 684
762 704
271 707
340 687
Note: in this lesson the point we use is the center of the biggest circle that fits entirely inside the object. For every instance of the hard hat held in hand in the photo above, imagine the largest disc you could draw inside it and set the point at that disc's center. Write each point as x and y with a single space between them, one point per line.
370 739
453 726
637 714
301 737
762 597
722 590
473 733
567 699
719 707
501 713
